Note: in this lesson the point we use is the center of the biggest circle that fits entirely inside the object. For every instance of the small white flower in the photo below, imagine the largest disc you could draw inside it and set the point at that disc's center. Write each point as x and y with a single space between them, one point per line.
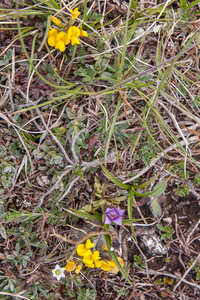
58 272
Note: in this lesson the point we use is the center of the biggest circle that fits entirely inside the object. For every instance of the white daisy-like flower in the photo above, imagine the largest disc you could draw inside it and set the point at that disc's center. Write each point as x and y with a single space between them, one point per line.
58 272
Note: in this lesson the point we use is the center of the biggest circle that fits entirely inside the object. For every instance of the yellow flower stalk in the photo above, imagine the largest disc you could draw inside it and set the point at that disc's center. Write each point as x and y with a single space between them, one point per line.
70 266
84 250
74 33
55 21
75 13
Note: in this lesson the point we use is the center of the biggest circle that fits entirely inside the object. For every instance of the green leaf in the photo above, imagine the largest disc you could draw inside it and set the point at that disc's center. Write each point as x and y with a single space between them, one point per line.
51 3
112 128
121 198
115 180
87 74
149 193
126 222
159 188
156 208
192 4
140 186
88 216
159 226
46 33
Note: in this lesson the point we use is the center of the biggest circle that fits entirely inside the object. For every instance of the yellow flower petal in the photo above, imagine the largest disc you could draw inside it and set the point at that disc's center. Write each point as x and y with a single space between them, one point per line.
105 266
70 266
60 45
78 268
61 36
95 255
90 265
97 263
87 253
73 31
67 40
81 250
75 13
88 259
114 269
105 248
55 21
52 41
89 244
52 32
83 33
121 261
75 40
111 263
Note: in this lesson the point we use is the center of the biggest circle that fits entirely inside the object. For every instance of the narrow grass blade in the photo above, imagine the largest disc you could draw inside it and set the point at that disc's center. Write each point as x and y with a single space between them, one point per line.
114 257
32 53
125 42
192 4
128 222
51 3
46 33
112 128
140 186
148 131
152 192
88 216
130 203
115 180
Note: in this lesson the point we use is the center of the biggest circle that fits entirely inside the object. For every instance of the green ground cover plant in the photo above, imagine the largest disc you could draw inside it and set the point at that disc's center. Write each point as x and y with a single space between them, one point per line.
99 142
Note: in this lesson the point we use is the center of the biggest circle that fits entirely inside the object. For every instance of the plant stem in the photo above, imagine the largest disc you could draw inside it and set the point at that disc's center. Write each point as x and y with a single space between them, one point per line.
70 65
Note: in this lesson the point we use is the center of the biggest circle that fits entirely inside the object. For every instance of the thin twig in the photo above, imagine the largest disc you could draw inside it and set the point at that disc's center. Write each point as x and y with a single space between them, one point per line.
14 295
69 168
160 155
191 233
76 159
152 272
185 274
80 241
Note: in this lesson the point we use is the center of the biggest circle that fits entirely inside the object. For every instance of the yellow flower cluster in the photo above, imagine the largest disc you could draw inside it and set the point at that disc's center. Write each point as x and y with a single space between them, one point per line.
92 260
59 39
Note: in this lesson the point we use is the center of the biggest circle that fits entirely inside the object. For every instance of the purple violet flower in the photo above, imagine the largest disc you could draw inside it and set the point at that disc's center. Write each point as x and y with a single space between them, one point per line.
114 215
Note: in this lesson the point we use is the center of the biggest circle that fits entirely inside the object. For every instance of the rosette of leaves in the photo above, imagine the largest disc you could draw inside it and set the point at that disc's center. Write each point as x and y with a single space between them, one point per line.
4 61
49 154
56 174
51 161
76 123
18 257
182 19
118 132
15 146
7 168
91 71
100 66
